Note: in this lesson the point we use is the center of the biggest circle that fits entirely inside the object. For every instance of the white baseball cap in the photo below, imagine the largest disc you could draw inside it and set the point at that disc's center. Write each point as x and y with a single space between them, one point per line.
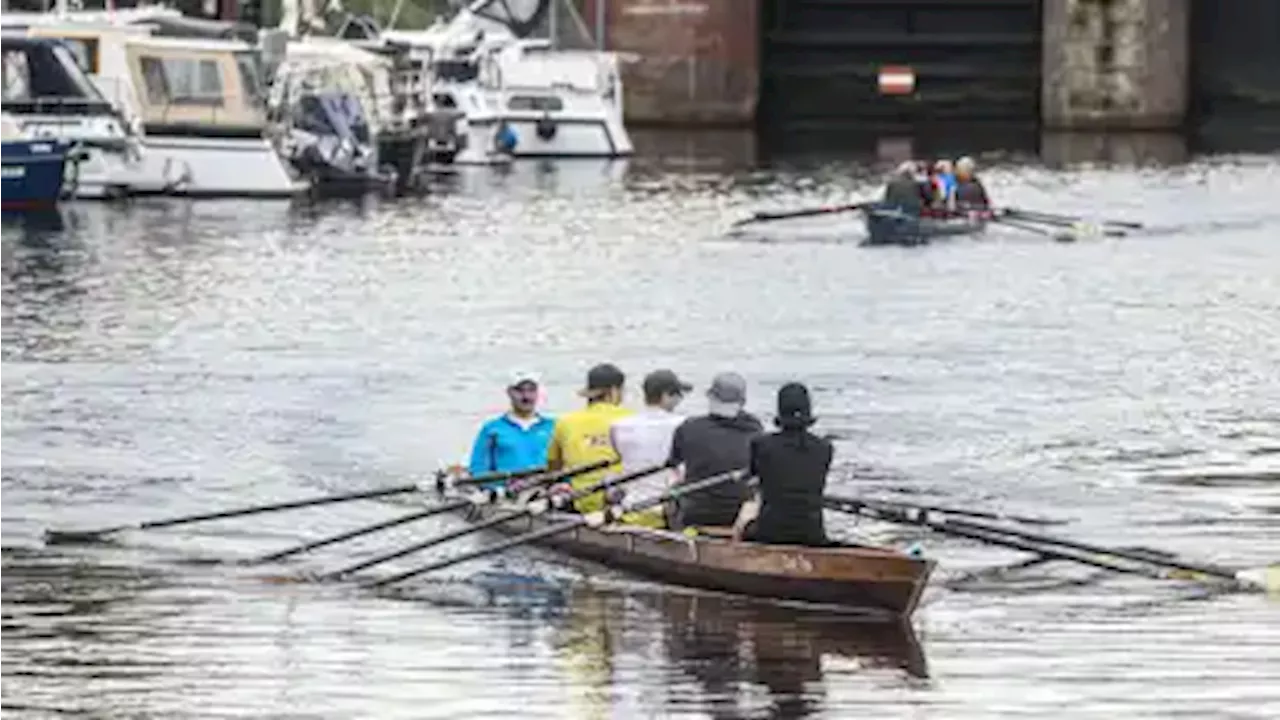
521 377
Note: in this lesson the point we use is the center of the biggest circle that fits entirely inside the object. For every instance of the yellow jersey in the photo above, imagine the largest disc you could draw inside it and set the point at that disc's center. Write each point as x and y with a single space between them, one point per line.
581 438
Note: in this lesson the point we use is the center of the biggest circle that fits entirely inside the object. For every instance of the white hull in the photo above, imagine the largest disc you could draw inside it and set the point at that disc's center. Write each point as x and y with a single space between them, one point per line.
575 137
216 167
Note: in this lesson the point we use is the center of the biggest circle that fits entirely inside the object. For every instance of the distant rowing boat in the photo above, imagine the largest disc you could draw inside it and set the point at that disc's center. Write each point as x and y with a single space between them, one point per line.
894 227
875 580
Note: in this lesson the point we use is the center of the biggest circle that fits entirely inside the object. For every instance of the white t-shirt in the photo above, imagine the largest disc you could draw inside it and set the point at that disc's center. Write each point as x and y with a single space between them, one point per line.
643 440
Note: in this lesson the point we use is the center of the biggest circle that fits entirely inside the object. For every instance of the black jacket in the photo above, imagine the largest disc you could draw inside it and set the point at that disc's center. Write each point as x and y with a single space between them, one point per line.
710 445
792 466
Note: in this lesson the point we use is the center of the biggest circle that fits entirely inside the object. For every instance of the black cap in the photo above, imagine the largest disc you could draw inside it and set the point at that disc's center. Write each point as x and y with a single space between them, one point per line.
661 382
794 408
603 377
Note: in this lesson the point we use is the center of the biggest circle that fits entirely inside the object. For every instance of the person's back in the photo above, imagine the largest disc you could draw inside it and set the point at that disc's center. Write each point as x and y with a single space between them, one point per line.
792 466
712 444
582 437
902 192
644 440
970 192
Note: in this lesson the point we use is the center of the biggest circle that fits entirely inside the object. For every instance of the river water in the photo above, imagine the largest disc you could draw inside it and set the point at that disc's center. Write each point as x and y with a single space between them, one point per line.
171 357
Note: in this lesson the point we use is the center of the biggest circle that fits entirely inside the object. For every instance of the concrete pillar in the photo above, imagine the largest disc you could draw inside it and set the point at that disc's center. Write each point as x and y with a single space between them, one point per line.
1115 64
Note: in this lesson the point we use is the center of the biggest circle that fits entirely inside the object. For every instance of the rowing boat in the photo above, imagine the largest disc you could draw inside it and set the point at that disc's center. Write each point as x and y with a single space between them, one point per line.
890 226
850 577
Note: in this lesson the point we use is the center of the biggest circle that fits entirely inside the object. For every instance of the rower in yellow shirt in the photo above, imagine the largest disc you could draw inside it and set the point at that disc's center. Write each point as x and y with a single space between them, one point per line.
582 437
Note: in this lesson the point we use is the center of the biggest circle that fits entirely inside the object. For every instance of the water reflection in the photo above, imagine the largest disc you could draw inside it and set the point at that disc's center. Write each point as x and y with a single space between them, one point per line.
1062 149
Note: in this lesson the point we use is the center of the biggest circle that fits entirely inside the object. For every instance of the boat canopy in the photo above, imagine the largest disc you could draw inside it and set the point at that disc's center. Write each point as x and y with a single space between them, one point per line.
42 76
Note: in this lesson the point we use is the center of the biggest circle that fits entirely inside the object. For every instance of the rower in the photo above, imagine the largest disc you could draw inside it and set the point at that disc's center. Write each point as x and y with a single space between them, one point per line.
582 437
970 193
644 440
903 191
517 439
791 465
944 186
711 444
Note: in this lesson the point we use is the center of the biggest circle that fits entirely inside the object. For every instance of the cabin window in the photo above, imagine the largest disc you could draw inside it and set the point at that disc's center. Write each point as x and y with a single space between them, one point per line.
182 81
250 79
85 51
17 76
539 103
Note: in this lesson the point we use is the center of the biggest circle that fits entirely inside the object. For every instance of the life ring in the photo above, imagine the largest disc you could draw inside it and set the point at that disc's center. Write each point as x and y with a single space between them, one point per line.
545 128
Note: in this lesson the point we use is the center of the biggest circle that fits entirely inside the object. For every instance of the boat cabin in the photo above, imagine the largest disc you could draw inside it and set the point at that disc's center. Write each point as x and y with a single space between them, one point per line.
172 86
42 77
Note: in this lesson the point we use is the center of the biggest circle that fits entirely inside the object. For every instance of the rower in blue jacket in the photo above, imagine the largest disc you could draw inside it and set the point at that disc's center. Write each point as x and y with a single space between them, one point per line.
517 439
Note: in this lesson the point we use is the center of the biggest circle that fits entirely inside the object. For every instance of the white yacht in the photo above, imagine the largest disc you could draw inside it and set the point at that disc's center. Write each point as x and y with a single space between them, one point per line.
196 106
520 96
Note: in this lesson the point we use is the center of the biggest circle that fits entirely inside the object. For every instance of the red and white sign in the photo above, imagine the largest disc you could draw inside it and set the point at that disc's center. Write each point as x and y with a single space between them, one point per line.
897 80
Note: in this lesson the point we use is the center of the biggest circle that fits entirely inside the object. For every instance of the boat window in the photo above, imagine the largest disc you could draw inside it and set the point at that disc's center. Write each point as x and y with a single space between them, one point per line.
45 72
539 103
250 78
182 81
85 51
457 70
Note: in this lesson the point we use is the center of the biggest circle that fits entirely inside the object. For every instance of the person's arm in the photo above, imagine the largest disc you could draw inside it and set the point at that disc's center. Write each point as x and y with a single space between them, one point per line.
555 449
481 452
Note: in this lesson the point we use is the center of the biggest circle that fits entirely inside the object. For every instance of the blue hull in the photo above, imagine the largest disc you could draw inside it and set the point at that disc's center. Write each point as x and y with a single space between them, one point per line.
34 173
892 227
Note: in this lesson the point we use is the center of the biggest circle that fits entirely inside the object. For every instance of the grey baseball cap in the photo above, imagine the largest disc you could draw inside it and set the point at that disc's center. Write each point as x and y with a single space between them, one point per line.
728 387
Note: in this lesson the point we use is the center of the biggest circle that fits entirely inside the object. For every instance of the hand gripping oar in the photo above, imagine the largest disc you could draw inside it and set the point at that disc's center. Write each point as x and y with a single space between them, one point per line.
906 506
1147 563
610 514
533 508
63 536
532 481
824 210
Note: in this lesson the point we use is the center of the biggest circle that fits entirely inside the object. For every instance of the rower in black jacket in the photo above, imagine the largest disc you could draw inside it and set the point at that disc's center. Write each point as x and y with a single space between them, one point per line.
792 466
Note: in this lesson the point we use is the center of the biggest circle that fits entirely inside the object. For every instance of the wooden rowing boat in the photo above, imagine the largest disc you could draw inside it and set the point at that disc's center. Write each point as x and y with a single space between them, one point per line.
874 580
893 227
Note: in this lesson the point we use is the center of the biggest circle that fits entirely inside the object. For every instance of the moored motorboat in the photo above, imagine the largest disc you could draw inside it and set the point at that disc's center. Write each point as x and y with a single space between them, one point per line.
35 172
873 580
891 226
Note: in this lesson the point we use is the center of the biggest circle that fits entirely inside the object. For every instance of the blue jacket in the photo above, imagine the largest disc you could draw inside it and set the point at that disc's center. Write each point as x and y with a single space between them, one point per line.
503 446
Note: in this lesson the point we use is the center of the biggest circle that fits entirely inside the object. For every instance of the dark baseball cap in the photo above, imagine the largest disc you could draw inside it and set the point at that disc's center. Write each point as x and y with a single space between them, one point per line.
661 382
603 377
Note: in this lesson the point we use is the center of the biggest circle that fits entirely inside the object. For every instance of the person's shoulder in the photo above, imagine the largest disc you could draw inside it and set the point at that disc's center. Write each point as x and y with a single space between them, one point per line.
754 421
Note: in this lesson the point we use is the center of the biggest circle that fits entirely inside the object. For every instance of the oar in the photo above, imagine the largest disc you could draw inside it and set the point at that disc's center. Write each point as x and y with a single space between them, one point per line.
1071 219
610 514
1023 519
67 536
533 481
1079 225
824 210
446 481
1061 236
1149 564
534 508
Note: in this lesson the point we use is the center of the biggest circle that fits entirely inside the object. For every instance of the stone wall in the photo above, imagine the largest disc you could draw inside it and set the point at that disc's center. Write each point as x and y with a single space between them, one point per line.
693 62
1115 64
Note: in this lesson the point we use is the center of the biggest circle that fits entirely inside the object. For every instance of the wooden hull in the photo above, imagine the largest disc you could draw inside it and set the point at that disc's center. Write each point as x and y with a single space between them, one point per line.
891 227
881 582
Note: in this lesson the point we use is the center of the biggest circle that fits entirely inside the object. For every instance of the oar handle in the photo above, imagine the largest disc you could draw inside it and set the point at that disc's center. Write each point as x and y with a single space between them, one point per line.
786 215
445 481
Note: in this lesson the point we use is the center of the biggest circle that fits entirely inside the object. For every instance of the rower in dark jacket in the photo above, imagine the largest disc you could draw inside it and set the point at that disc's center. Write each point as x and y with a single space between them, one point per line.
904 191
792 466
970 192
712 444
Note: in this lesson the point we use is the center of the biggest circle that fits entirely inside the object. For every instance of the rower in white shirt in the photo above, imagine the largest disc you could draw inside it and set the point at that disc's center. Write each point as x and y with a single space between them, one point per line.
644 439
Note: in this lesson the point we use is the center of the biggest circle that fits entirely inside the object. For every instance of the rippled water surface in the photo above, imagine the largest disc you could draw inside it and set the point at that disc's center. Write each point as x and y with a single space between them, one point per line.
171 357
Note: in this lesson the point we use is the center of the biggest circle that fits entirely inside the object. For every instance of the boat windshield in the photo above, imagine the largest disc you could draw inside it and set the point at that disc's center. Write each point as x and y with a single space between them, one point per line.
250 67
46 72
456 70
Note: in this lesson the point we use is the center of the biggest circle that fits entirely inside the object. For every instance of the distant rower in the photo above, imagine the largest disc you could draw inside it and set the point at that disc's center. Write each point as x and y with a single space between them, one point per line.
970 193
516 439
904 191
943 186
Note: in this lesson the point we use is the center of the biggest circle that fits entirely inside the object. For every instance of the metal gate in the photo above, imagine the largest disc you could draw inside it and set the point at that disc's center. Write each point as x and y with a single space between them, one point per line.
822 62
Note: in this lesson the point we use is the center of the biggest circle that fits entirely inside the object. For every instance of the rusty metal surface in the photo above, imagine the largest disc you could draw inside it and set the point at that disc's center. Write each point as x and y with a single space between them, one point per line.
697 61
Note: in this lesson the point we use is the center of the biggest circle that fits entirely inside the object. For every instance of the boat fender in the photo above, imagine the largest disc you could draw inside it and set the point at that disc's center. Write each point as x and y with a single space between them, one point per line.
505 140
539 506
546 128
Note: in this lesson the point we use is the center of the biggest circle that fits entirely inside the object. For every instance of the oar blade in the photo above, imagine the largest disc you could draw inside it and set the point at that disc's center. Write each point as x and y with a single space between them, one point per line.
82 537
